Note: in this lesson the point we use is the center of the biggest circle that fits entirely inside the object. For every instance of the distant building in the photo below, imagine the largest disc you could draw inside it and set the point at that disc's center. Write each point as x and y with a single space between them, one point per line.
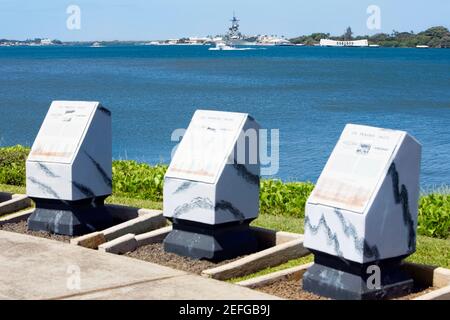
46 42
197 40
172 41
272 41
339 43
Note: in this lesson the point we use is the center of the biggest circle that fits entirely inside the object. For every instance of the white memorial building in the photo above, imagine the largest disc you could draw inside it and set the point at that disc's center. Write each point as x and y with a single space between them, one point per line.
344 43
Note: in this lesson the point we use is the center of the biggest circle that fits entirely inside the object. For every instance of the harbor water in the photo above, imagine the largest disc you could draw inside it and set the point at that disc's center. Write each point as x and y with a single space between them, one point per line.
307 93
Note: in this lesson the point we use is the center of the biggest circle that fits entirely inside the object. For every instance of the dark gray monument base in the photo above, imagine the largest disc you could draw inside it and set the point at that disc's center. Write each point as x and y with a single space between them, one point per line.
71 218
210 242
341 279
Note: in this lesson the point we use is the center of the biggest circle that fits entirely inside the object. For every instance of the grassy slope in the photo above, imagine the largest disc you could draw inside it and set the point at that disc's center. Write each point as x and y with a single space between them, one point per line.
429 250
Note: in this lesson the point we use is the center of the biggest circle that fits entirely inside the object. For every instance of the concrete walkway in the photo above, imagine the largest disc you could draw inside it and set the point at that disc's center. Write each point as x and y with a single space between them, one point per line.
35 268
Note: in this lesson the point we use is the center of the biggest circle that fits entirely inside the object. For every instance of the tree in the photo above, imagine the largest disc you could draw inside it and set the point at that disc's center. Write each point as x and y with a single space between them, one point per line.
379 37
445 42
310 39
318 36
436 32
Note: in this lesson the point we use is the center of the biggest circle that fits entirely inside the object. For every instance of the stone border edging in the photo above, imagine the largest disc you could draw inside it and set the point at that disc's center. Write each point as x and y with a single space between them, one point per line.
270 257
128 242
428 275
16 217
125 213
146 220
120 245
267 279
283 246
439 294
154 236
13 203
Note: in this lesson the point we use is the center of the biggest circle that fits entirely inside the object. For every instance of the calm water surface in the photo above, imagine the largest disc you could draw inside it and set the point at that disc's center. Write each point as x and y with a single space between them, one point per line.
309 94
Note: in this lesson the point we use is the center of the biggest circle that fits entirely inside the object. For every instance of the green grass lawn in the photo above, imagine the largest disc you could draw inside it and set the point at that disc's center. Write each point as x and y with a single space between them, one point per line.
138 203
12 189
281 223
430 251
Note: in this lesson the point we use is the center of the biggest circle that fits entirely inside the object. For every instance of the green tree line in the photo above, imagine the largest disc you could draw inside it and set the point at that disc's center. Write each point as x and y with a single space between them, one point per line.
435 37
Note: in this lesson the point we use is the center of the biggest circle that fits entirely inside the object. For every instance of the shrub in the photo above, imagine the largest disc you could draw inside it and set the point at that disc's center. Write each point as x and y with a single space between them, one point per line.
434 215
138 180
12 165
280 198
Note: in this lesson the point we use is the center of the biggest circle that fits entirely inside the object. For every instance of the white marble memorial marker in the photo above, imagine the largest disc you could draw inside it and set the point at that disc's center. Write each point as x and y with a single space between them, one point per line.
364 206
70 166
212 183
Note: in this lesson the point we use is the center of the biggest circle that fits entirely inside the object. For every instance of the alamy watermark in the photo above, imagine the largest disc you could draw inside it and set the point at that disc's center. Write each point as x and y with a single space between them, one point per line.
252 146
374 280
374 19
74 279
73 21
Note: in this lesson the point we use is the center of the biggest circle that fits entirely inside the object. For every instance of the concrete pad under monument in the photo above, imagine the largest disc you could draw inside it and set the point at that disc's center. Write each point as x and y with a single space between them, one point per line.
361 217
211 189
69 169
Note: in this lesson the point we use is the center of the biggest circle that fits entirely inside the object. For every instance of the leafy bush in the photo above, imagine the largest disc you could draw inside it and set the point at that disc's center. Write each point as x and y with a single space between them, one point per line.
138 180
280 198
12 165
434 215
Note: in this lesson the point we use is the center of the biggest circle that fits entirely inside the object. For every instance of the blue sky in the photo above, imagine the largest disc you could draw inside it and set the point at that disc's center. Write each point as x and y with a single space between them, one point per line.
162 19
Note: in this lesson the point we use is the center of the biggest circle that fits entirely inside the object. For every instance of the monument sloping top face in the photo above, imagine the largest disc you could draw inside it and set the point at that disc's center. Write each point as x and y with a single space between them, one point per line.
62 131
356 167
206 146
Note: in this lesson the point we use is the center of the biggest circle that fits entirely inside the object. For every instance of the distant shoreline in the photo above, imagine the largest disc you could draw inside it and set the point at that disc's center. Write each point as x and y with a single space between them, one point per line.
434 37
139 44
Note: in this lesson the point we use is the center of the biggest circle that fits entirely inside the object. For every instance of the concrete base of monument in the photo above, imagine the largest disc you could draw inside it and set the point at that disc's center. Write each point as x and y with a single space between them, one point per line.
71 218
341 279
211 242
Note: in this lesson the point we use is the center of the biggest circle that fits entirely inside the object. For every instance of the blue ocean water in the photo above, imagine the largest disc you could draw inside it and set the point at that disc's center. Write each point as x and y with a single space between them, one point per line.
308 93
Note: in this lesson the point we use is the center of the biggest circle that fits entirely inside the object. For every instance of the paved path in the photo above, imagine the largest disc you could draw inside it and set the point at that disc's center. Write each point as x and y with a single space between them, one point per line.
35 268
